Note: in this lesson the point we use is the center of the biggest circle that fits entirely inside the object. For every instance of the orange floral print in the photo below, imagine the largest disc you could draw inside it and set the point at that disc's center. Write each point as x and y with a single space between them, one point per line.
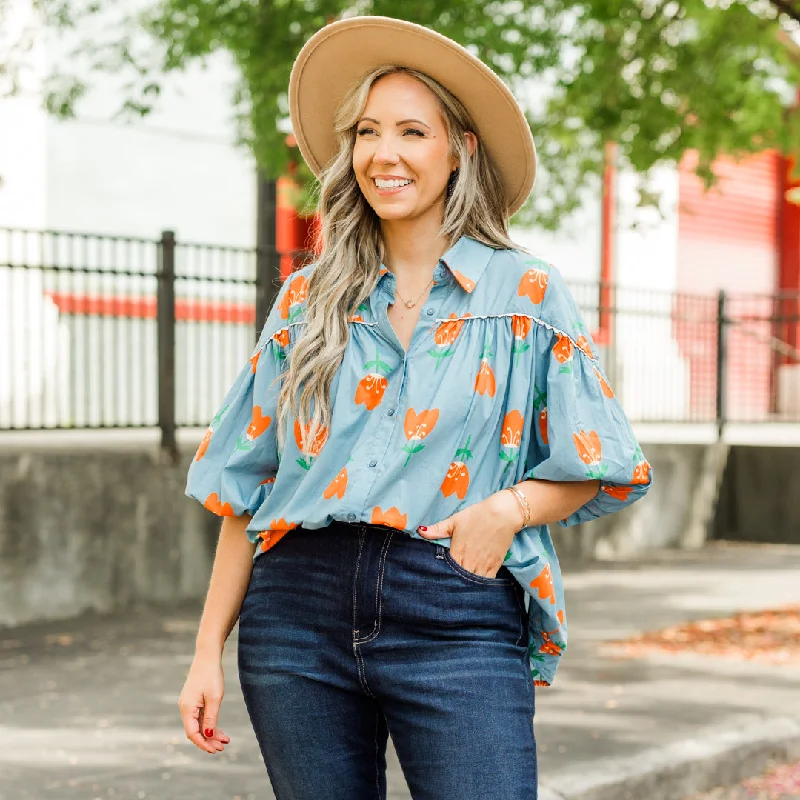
267 480
590 451
549 647
219 508
543 583
259 423
533 284
466 284
563 352
278 528
607 390
201 451
617 492
309 448
445 335
520 327
416 428
582 343
485 382
371 387
540 405
392 517
355 318
281 337
293 297
370 390
457 479
543 425
641 473
254 361
510 438
337 486
560 615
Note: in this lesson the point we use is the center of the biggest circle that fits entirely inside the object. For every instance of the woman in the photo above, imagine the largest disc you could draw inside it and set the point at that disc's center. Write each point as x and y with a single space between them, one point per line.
422 401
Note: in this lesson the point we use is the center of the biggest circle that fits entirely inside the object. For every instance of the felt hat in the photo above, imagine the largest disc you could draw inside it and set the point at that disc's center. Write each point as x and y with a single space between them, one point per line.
337 56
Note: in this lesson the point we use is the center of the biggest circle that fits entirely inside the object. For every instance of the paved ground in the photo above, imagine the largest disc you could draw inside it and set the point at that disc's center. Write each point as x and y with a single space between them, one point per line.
88 707
779 782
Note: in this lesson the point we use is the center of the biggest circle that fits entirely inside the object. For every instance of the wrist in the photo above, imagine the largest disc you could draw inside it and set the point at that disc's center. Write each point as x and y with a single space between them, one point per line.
507 505
208 647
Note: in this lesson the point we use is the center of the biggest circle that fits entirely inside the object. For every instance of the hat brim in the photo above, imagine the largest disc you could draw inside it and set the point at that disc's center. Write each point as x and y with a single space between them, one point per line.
338 55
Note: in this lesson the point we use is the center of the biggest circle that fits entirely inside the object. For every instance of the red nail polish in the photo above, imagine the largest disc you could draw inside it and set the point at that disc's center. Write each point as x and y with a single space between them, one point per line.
423 527
209 732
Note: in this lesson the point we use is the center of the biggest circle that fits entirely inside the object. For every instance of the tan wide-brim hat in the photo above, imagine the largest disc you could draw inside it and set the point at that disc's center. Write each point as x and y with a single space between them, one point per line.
337 56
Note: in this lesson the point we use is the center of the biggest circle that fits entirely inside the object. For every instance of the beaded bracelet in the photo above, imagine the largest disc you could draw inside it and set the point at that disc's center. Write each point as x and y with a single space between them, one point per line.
522 501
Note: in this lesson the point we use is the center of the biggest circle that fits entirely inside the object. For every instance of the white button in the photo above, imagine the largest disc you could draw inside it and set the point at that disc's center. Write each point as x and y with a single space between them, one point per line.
390 412
373 463
430 311
351 517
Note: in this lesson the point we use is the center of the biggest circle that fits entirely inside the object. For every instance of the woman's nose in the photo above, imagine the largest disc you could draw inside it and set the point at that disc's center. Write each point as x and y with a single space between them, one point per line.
386 151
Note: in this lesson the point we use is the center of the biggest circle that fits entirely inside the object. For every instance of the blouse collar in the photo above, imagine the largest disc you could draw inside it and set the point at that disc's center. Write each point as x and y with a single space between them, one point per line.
466 260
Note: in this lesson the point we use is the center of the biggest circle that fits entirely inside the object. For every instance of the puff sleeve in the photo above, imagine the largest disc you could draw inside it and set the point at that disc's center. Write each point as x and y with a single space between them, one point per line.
581 432
234 469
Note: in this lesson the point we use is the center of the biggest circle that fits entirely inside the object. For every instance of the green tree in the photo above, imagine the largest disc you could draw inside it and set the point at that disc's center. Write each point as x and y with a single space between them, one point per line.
657 77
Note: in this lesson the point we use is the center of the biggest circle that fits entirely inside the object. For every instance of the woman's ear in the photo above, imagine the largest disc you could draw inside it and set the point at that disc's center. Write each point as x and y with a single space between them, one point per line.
472 142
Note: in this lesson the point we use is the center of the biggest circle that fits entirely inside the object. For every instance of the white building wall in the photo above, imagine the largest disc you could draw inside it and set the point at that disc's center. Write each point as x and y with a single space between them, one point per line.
648 371
177 169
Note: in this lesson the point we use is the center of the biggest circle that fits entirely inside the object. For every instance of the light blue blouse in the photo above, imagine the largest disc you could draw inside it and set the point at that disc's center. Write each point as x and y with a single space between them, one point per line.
500 384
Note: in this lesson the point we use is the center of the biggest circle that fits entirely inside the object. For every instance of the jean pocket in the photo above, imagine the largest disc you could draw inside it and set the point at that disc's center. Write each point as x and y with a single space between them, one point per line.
443 553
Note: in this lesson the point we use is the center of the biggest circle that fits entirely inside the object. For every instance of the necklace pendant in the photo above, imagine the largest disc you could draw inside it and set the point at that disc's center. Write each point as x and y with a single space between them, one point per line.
411 304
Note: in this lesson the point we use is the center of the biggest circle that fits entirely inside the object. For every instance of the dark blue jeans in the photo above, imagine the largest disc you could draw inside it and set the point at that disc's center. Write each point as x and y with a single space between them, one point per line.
352 632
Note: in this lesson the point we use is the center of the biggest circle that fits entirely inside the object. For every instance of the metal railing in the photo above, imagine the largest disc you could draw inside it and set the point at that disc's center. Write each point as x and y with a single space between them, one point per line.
122 332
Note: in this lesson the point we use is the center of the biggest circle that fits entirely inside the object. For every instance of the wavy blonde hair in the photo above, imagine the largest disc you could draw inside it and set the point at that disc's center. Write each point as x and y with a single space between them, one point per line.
352 251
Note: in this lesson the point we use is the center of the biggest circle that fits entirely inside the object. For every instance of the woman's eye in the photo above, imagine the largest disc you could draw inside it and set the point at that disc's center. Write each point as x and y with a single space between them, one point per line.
415 131
365 130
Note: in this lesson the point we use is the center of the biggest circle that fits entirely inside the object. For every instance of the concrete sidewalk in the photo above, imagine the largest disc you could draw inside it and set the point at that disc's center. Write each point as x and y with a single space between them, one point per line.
88 707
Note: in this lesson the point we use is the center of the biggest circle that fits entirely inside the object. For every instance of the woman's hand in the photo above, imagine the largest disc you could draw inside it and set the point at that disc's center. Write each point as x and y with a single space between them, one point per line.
480 534
199 703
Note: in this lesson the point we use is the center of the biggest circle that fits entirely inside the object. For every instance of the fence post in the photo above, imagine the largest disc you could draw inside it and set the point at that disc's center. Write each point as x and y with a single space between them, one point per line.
722 362
267 263
165 326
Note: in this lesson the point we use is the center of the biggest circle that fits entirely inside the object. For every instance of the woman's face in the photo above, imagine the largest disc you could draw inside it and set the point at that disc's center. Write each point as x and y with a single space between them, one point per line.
401 139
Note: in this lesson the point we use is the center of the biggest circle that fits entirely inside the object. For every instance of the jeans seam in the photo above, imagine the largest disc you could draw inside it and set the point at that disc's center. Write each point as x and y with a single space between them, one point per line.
362 672
355 581
376 627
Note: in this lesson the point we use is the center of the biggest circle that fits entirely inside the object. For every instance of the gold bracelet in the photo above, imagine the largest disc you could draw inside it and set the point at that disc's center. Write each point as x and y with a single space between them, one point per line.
522 501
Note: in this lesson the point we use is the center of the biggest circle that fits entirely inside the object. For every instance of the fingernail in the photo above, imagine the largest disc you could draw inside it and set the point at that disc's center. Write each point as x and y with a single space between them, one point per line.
423 528
209 732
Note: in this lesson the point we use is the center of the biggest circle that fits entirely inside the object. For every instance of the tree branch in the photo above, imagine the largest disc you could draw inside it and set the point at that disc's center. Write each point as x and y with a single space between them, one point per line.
791 9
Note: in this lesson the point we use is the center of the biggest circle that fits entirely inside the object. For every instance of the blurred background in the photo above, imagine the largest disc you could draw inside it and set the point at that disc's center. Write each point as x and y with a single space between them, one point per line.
152 199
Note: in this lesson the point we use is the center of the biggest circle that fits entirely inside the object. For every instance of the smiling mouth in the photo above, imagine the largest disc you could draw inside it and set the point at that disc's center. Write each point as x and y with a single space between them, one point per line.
391 189
391 185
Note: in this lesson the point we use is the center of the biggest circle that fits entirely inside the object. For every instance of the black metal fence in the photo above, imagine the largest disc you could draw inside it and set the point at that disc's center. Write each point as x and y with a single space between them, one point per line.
122 332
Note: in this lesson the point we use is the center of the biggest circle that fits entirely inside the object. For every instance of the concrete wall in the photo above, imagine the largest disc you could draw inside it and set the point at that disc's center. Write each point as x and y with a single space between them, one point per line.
93 528
659 520
758 499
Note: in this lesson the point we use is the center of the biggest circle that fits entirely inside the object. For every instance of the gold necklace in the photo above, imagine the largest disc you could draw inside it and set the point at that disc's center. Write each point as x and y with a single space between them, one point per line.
412 303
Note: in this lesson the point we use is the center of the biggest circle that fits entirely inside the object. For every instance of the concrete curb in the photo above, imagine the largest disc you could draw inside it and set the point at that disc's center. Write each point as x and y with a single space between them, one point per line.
722 756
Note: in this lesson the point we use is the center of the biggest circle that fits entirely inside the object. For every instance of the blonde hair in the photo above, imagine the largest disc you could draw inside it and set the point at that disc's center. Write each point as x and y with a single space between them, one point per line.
347 269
